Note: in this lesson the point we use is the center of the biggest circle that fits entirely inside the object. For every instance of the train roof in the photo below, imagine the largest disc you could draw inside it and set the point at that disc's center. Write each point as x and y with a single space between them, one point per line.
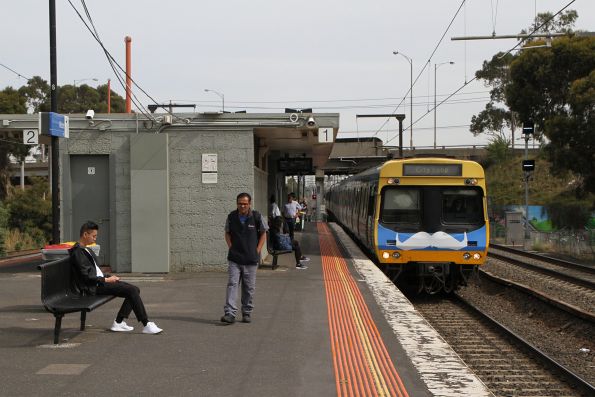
395 167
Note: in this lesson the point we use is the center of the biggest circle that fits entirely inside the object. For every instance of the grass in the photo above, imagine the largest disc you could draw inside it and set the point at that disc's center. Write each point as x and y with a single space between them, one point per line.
18 241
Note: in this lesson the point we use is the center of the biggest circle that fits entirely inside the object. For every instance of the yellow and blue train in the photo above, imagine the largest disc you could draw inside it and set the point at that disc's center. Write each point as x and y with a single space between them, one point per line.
424 220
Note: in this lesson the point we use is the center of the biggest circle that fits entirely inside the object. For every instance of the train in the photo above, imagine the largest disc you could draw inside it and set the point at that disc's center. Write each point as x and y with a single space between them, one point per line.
422 219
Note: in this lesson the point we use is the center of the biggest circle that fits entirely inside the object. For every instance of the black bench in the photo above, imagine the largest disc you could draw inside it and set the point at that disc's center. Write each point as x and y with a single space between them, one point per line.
58 297
273 252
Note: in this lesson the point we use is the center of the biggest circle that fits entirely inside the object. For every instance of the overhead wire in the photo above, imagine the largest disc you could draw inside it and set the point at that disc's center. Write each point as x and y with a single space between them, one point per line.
536 29
15 72
425 65
109 57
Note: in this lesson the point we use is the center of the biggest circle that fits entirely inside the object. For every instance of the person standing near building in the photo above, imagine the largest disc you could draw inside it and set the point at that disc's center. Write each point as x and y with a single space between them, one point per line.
245 234
290 212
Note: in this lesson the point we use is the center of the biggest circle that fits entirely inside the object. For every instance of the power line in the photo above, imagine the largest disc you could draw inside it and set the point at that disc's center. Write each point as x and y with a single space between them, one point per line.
503 55
284 102
15 72
425 65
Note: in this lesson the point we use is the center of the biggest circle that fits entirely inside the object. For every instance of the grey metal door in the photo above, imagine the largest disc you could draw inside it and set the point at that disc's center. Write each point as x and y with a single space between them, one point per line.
90 197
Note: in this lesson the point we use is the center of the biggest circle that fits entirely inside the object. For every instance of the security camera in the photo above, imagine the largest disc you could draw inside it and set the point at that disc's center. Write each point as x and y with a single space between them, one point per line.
90 114
311 123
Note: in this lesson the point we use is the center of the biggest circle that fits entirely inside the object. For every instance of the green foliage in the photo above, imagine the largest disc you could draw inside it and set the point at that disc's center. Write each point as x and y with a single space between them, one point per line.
568 212
506 186
30 211
12 102
498 151
554 87
3 228
561 23
36 94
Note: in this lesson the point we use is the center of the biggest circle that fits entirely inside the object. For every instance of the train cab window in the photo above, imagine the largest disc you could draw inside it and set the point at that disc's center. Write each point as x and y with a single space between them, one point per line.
462 206
400 205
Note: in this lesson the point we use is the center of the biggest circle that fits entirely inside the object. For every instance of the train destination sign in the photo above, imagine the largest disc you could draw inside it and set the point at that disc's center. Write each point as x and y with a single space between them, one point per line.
432 169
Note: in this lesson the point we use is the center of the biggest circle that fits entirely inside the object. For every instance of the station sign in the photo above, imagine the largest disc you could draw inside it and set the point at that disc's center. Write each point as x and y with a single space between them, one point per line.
54 124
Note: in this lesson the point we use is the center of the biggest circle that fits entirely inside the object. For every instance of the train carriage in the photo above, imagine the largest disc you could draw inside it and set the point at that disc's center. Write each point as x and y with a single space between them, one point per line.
423 219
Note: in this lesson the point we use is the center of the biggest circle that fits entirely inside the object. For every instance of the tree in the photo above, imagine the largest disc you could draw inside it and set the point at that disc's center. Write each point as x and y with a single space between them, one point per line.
34 97
10 102
36 94
30 211
555 87
552 86
494 119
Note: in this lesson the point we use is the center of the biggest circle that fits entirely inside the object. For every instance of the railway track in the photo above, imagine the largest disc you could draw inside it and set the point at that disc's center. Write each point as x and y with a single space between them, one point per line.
547 279
507 364
573 272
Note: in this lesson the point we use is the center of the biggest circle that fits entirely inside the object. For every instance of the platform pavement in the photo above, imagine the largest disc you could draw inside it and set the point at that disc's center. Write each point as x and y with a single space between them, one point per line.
285 351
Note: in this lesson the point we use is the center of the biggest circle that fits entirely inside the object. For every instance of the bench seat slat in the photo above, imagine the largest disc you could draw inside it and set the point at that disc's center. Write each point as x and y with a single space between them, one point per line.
71 304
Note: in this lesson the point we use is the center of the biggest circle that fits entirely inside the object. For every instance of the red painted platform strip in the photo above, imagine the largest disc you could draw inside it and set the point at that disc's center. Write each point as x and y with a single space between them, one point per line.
361 362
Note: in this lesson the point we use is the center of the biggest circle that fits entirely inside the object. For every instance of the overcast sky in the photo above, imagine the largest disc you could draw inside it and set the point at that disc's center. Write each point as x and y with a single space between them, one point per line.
263 56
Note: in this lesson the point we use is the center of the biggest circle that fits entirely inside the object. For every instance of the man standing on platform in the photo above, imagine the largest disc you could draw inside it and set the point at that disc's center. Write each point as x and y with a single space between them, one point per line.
290 212
245 234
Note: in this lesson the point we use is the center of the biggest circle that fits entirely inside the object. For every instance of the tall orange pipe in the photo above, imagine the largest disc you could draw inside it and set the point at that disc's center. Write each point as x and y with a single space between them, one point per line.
128 41
109 96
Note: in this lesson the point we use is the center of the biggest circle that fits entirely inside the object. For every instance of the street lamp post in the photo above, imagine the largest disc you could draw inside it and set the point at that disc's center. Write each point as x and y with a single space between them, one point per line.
410 96
220 96
79 81
436 66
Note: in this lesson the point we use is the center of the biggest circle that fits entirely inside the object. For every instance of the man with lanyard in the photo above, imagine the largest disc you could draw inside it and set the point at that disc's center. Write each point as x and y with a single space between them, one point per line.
89 279
245 234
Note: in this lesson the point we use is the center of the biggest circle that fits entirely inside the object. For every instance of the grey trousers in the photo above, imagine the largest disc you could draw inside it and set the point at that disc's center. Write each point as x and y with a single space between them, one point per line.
247 276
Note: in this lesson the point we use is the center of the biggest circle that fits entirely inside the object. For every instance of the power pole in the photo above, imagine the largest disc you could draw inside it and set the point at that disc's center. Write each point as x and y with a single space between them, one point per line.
55 153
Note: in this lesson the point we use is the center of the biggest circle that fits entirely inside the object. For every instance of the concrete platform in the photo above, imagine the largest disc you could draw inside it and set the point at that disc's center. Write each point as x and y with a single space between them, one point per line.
286 350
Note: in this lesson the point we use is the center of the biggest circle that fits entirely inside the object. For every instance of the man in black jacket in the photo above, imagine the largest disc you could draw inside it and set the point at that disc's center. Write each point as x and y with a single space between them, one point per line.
90 280
245 234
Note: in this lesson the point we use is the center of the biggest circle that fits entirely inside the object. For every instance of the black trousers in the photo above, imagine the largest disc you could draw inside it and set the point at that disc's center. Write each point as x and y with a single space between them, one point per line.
131 295
290 222
297 250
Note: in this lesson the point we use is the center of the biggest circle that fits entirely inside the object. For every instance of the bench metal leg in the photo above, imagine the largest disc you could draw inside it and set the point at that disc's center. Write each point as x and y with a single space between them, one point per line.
83 318
275 265
57 327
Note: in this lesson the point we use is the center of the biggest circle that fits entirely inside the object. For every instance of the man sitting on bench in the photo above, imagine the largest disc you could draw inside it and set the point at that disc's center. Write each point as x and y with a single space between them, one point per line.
90 280
284 242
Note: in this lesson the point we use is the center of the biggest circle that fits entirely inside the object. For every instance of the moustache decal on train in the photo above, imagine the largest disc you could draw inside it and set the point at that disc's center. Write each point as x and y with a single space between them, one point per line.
421 240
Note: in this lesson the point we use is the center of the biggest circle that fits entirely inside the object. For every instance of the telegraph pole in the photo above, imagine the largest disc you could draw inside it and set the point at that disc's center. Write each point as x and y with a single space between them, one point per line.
55 166
398 116
528 167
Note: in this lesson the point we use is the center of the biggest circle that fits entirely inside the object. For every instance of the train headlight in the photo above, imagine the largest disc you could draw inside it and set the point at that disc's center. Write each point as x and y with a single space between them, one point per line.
471 181
396 255
385 255
466 256
477 256
393 181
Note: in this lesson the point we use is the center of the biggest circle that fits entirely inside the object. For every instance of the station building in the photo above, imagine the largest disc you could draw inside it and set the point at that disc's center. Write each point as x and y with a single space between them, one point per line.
161 186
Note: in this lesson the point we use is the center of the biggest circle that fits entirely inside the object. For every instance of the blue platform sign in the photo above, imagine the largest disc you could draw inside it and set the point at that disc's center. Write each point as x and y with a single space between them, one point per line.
54 124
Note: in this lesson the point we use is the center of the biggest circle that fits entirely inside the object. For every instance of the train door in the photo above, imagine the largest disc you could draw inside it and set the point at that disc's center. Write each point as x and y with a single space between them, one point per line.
370 216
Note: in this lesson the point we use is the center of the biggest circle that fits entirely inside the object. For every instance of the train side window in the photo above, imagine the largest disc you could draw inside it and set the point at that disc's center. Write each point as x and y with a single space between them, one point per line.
400 205
371 200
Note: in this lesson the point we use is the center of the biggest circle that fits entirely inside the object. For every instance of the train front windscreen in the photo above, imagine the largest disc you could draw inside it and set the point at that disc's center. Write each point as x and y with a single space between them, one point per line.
431 208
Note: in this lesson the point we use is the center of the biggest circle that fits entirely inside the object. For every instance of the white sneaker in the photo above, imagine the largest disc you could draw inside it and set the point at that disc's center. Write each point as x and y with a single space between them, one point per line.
121 327
304 259
151 328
